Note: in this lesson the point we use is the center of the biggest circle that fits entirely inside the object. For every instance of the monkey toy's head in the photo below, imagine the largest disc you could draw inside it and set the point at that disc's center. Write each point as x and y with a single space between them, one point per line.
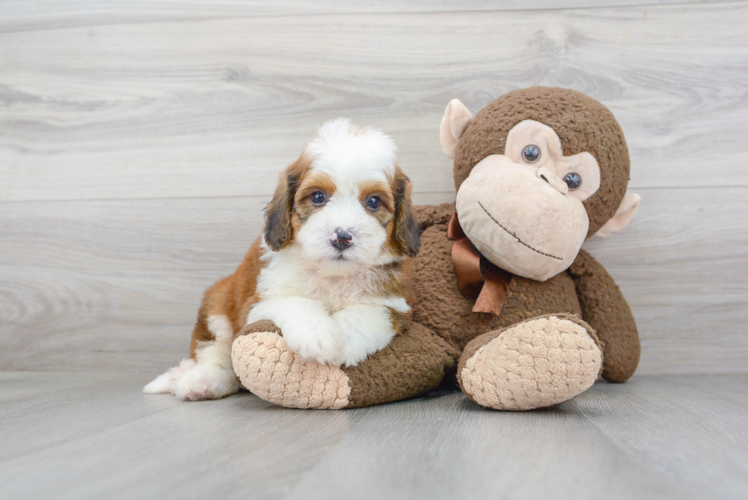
537 171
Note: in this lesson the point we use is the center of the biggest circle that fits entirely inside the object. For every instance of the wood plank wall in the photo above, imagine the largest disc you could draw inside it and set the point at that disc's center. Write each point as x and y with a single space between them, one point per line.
139 142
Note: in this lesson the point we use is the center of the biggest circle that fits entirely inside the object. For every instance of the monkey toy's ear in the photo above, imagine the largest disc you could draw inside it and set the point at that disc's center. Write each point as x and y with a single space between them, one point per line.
455 121
622 217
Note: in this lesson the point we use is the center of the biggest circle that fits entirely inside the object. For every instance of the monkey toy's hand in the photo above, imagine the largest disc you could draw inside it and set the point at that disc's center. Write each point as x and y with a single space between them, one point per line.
268 368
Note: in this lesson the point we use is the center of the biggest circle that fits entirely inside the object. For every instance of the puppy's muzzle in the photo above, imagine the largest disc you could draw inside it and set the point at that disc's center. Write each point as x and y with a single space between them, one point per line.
341 239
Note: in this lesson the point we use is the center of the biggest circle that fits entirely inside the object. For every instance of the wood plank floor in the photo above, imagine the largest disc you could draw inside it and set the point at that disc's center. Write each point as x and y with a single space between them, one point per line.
83 435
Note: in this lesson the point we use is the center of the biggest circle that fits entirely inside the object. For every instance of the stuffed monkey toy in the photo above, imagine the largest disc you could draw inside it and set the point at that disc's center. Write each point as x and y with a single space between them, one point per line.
503 297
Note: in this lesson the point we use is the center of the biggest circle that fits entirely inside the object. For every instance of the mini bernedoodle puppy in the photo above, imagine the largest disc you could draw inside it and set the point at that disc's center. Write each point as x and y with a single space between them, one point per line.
330 270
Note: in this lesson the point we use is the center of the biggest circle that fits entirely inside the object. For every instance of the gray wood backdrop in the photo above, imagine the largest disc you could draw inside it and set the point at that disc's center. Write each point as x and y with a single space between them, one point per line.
139 142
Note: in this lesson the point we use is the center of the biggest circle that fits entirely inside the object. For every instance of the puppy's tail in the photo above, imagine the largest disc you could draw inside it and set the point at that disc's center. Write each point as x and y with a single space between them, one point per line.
164 383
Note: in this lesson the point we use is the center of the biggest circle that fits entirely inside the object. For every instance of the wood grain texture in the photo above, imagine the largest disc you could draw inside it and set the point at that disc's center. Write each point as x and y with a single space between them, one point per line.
102 285
219 107
24 15
96 435
139 142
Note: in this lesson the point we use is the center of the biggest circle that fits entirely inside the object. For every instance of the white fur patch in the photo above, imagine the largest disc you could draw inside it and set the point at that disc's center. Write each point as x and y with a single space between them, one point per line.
288 274
220 326
365 329
306 326
345 337
352 154
160 384
398 304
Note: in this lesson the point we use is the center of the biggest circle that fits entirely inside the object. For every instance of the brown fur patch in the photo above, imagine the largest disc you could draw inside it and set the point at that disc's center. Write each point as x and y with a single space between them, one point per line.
405 235
396 282
201 333
303 207
231 296
385 213
279 212
398 321
313 182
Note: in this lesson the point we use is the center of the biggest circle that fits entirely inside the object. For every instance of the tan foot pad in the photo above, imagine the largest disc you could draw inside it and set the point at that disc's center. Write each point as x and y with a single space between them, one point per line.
266 366
531 365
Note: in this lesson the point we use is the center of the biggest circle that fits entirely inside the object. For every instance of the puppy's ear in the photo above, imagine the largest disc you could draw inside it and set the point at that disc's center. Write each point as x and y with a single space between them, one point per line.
278 213
406 230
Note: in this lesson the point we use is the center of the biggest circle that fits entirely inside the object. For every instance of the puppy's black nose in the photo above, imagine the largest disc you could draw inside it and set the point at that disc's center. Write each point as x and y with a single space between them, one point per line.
342 239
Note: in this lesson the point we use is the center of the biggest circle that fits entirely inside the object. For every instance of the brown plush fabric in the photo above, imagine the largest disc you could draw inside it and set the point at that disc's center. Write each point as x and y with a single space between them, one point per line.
415 361
412 364
582 124
585 291
605 308
264 325
439 305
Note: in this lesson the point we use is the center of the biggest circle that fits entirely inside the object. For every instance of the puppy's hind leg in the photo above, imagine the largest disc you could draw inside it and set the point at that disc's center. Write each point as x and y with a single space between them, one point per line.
208 374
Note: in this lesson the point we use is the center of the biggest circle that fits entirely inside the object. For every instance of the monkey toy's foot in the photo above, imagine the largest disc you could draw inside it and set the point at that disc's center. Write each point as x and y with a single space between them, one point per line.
267 367
533 364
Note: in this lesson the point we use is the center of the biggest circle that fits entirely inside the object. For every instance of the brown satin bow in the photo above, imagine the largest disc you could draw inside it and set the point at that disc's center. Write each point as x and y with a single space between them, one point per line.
478 278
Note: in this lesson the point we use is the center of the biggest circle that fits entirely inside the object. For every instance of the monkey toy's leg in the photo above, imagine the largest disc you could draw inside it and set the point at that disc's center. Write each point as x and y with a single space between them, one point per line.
413 363
533 364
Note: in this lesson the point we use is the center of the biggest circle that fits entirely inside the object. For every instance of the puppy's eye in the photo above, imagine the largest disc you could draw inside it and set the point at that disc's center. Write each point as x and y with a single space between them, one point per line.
373 202
573 181
318 198
531 153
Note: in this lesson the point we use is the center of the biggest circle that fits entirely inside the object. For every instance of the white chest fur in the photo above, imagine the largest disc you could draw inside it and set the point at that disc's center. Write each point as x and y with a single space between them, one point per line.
286 274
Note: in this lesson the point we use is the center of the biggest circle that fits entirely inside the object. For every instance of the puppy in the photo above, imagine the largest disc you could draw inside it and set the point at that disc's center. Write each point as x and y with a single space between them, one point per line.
330 270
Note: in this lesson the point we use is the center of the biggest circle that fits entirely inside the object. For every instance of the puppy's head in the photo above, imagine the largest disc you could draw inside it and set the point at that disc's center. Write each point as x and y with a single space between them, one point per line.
345 203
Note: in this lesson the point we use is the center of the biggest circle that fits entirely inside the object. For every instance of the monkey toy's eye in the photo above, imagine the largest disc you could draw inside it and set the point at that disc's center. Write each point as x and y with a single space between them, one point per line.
531 153
573 181
373 203
318 198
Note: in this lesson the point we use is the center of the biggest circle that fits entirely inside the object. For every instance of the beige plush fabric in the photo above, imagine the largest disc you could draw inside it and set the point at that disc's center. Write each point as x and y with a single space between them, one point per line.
531 365
267 367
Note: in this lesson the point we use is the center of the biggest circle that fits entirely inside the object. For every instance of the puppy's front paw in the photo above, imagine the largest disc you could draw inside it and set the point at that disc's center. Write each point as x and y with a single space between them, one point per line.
351 353
317 340
365 330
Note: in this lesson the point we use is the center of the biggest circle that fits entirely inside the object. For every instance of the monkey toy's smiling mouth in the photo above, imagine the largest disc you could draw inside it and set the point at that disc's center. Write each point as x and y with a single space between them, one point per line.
513 235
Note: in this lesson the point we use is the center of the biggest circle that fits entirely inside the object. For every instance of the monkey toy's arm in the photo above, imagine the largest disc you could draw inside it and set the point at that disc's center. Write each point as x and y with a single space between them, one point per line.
605 309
